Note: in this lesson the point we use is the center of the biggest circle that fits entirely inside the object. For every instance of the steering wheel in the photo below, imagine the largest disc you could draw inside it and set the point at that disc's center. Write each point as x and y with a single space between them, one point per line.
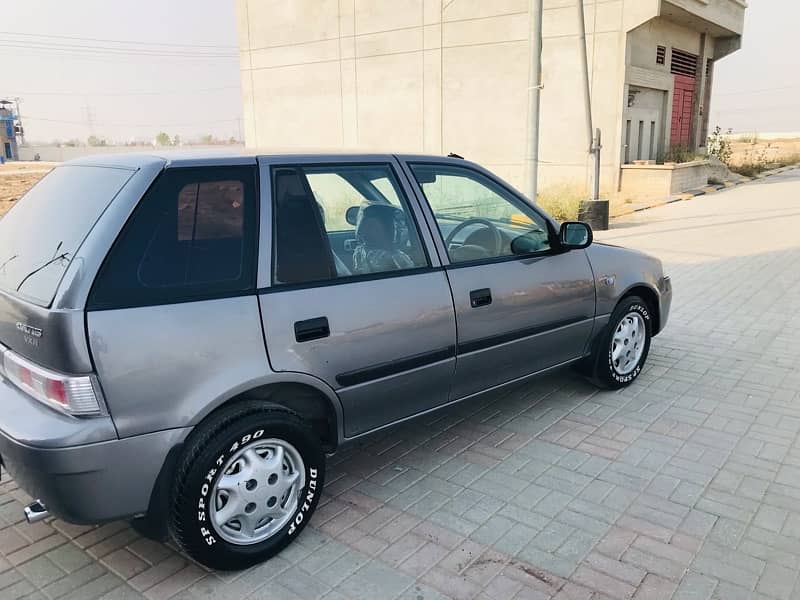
498 237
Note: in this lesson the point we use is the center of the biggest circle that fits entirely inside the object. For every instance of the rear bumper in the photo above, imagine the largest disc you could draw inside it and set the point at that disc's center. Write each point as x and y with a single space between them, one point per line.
83 483
92 483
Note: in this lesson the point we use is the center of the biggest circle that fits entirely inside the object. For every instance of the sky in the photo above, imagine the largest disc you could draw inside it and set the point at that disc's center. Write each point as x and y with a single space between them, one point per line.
128 70
181 77
757 89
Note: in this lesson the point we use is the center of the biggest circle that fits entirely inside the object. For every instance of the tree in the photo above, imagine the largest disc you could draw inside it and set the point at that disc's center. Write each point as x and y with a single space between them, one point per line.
163 139
176 141
95 141
207 139
232 140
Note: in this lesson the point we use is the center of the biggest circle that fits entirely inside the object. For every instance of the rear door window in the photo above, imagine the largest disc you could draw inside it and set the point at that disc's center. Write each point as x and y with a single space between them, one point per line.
338 221
192 237
41 234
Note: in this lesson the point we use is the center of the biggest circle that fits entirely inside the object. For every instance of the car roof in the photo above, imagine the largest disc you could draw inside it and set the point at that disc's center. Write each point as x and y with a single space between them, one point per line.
226 155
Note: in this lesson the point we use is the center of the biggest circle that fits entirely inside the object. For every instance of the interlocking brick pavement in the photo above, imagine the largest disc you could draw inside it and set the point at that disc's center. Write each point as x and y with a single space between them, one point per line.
684 486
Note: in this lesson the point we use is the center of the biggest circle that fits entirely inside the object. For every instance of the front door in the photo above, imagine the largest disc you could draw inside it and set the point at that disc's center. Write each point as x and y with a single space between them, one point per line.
516 313
354 296
682 107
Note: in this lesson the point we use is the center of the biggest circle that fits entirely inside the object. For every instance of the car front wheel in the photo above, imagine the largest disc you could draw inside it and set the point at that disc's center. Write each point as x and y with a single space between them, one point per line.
248 482
623 348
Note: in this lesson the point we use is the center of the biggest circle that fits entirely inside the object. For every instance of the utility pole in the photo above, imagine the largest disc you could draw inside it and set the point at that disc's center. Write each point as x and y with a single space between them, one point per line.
595 211
587 96
592 137
89 117
534 96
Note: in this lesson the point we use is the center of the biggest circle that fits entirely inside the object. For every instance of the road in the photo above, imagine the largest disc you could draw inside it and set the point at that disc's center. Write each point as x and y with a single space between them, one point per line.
686 485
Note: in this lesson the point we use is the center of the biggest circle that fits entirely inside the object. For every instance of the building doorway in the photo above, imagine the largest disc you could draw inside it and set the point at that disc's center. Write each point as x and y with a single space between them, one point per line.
644 124
682 109
684 68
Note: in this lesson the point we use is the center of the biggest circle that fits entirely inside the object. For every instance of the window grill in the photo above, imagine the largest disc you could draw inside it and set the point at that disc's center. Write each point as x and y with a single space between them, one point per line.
661 55
683 63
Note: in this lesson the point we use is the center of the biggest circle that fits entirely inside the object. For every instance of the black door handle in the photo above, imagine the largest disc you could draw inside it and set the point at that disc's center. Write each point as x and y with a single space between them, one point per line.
311 329
478 298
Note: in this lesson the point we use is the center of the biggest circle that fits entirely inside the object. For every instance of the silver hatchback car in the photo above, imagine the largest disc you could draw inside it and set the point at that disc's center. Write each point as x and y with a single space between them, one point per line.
184 338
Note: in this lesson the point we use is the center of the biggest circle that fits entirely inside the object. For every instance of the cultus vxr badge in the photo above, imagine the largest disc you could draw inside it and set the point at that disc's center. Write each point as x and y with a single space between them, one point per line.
30 334
28 330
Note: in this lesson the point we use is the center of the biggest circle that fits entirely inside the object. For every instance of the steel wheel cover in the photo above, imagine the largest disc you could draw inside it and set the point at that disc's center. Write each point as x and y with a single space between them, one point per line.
627 343
257 492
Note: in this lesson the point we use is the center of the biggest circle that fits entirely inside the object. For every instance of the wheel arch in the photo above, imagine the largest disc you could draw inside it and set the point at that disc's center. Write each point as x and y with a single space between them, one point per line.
300 393
650 296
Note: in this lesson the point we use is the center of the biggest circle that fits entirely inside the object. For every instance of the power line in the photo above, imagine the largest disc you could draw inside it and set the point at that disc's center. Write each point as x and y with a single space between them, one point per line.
112 41
110 50
154 125
131 93
761 91
756 109
119 60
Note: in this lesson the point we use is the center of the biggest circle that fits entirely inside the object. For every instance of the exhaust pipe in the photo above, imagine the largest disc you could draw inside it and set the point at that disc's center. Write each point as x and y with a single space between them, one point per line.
36 511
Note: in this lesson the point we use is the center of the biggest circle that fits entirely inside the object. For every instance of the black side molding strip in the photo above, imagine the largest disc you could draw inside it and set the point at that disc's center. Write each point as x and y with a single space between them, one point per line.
510 336
394 367
420 360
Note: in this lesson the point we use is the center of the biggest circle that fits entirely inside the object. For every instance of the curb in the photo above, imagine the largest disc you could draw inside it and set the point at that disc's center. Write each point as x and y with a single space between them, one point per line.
709 189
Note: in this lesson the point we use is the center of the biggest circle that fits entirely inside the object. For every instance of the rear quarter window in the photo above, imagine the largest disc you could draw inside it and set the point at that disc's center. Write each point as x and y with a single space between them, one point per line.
192 237
41 234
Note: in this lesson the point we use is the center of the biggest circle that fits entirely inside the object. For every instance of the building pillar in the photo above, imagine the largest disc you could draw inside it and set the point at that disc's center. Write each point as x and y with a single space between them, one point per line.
700 110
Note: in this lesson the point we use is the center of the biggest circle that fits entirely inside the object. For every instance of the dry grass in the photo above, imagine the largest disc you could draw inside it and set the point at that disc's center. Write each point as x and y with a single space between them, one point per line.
752 155
562 201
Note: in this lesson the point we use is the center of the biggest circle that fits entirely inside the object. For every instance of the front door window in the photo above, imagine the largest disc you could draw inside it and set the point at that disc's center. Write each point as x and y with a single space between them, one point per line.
477 218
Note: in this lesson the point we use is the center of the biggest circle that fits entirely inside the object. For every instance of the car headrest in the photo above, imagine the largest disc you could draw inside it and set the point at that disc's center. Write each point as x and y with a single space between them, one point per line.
377 225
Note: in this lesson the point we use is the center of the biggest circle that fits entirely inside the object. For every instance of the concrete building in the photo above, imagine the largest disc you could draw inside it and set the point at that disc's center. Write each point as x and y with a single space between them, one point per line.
8 135
445 76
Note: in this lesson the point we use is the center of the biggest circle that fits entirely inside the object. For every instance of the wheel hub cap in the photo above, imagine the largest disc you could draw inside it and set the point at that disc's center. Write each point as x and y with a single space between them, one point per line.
258 491
627 343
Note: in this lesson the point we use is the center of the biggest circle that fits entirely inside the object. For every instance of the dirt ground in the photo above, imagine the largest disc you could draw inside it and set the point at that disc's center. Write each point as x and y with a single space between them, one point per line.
18 178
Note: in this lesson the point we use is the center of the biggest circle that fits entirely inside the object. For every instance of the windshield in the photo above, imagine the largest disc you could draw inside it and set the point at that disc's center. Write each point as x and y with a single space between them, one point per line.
40 235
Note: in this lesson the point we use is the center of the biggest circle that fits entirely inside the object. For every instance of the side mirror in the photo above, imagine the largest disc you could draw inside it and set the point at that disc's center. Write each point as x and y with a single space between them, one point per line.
351 215
575 235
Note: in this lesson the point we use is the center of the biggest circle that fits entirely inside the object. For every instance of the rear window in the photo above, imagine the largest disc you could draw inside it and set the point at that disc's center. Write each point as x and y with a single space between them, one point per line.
41 234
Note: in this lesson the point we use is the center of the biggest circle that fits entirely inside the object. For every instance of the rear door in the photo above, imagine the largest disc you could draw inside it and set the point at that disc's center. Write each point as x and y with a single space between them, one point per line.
517 312
359 303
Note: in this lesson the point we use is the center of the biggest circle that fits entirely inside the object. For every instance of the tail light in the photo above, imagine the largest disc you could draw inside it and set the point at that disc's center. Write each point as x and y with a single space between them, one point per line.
74 395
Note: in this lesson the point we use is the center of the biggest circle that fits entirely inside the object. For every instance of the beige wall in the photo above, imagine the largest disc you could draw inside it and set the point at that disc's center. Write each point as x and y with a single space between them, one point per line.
726 14
438 76
660 182
406 76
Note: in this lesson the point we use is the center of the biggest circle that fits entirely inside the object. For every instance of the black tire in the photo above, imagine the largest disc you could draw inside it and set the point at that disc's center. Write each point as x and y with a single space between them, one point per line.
209 448
605 374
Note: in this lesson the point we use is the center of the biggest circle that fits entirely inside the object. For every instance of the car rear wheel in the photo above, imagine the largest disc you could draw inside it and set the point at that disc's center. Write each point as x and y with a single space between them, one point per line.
247 483
623 348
